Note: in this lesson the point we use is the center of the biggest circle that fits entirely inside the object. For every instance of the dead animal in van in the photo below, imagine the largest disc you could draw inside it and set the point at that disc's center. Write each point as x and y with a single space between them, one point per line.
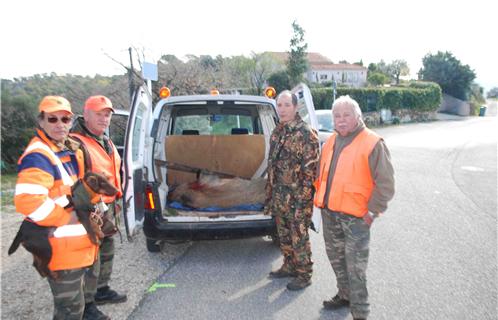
34 238
211 191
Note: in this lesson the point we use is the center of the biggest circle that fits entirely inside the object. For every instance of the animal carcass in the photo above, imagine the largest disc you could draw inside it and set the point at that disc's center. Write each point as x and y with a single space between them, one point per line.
211 191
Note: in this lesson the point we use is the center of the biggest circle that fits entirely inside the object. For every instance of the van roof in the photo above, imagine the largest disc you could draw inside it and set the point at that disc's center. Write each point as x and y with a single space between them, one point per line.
221 97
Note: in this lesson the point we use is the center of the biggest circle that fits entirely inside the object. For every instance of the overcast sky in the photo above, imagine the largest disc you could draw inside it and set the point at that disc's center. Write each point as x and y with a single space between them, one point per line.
66 37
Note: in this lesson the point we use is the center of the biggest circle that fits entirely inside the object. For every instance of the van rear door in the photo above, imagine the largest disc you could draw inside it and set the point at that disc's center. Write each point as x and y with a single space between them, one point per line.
305 104
306 110
136 154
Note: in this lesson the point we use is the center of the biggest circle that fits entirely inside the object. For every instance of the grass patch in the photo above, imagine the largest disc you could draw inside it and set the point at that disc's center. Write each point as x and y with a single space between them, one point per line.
8 185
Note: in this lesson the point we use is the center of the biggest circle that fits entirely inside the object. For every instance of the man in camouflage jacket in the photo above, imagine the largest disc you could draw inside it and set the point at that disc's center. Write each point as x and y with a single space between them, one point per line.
292 164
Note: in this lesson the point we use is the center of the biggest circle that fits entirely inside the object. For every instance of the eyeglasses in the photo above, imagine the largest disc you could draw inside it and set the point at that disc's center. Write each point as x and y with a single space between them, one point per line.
64 119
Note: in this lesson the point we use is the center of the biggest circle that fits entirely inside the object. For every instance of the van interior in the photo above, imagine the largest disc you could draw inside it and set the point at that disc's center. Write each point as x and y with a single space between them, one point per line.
228 140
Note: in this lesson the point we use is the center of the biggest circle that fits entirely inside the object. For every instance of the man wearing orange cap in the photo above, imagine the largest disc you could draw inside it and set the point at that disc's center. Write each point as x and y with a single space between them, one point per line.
47 195
101 156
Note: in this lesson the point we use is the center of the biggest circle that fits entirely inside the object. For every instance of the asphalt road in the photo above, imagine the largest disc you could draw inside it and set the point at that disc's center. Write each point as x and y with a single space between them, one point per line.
433 254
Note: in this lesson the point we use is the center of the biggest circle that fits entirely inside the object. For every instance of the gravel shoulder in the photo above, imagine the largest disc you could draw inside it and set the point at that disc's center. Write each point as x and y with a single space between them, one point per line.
25 295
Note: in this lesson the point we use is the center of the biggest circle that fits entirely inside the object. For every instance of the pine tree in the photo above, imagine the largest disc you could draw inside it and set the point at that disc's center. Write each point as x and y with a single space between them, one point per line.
297 64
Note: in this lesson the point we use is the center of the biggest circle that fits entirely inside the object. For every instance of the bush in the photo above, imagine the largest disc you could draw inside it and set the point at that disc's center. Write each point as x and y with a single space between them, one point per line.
419 96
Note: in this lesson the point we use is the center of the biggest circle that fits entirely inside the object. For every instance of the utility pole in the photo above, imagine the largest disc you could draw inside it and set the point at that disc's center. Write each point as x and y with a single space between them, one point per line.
334 87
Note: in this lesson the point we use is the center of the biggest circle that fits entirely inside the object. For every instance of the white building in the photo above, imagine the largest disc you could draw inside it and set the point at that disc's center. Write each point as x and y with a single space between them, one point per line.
352 75
321 69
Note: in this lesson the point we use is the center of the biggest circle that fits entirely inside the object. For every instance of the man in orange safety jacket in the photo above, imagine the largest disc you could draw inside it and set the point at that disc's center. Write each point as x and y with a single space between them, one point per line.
46 191
101 156
355 183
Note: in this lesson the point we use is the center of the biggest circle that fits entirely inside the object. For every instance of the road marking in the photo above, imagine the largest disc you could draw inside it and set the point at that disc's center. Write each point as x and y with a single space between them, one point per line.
471 168
156 285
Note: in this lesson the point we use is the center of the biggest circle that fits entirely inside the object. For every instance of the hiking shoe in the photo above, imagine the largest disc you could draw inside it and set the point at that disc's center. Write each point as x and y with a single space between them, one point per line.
335 303
92 313
107 295
298 284
282 273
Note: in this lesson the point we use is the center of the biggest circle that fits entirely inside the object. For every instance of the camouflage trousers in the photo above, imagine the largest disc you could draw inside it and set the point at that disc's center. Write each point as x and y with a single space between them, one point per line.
347 241
69 302
90 281
106 254
100 273
295 245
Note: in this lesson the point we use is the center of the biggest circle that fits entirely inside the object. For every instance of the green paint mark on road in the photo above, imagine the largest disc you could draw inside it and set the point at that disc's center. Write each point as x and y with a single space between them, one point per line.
156 285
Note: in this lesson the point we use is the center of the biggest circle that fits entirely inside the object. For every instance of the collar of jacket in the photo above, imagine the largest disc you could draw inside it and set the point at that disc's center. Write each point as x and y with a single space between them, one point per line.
293 125
353 133
80 128
68 144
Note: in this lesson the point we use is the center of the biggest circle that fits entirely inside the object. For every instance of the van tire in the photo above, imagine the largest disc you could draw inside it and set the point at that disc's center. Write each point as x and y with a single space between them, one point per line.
153 245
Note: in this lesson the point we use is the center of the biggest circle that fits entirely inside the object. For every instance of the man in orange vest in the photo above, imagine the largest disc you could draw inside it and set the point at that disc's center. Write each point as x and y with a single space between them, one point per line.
47 193
101 156
354 184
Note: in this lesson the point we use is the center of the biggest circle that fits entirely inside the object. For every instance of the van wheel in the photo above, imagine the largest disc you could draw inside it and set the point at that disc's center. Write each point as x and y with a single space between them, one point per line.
153 245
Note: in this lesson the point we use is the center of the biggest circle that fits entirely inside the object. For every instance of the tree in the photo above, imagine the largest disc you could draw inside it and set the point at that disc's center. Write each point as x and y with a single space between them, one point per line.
264 64
493 93
377 78
443 68
279 80
297 64
398 68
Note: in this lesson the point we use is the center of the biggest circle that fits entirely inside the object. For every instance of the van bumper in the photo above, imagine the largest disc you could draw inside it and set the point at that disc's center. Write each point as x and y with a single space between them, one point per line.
157 228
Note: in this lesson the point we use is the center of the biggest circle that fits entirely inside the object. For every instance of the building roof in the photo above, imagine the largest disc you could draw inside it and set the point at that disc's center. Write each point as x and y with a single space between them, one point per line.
318 61
313 57
338 66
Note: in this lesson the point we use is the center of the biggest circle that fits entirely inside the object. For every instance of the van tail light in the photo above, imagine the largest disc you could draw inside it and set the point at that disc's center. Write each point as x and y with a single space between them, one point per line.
149 198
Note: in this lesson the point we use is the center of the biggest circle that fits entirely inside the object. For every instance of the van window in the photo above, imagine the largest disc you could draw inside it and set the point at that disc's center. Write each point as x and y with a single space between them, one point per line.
135 148
117 128
212 124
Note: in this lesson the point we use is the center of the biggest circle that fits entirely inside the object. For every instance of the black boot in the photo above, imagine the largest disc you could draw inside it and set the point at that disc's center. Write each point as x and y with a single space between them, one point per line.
107 295
92 313
335 303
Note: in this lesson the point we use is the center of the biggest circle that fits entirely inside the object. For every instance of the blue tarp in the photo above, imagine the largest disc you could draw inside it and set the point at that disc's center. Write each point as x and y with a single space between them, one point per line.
244 207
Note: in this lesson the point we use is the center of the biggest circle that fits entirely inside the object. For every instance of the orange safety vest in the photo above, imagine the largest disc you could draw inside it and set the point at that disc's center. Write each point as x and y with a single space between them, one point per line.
352 184
43 185
102 162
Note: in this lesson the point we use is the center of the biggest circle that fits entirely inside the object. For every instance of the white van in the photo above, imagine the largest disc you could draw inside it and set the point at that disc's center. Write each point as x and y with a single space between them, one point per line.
218 133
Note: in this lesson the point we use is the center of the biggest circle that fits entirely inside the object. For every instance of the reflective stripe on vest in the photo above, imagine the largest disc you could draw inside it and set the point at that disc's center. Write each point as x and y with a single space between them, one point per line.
352 184
48 206
70 230
66 178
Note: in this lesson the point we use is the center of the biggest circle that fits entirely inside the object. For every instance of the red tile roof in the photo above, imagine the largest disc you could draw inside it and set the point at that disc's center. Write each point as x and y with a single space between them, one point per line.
337 66
319 62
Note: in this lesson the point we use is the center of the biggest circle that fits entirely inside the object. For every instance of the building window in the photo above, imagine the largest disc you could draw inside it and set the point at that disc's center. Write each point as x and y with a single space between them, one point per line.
323 77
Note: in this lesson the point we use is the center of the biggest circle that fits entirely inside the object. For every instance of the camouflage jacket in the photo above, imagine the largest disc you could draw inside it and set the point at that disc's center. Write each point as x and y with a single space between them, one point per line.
293 161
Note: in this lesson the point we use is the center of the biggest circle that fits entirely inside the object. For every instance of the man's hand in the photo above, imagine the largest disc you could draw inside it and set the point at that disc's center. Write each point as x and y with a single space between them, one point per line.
370 217
118 209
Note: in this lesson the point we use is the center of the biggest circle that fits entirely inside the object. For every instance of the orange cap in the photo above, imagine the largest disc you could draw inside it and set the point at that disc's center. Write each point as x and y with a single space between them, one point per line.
51 104
98 103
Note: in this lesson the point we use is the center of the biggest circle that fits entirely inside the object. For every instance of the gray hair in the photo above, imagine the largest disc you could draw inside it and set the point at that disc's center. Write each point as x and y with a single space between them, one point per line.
347 100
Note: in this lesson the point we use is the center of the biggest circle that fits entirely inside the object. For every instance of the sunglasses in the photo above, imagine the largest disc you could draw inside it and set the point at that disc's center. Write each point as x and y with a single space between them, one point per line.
64 119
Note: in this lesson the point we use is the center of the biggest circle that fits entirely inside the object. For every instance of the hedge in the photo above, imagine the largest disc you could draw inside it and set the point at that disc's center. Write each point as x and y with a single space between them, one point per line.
419 96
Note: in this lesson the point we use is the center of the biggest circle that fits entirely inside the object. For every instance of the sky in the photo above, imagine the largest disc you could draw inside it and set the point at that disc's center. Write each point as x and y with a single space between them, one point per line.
70 37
